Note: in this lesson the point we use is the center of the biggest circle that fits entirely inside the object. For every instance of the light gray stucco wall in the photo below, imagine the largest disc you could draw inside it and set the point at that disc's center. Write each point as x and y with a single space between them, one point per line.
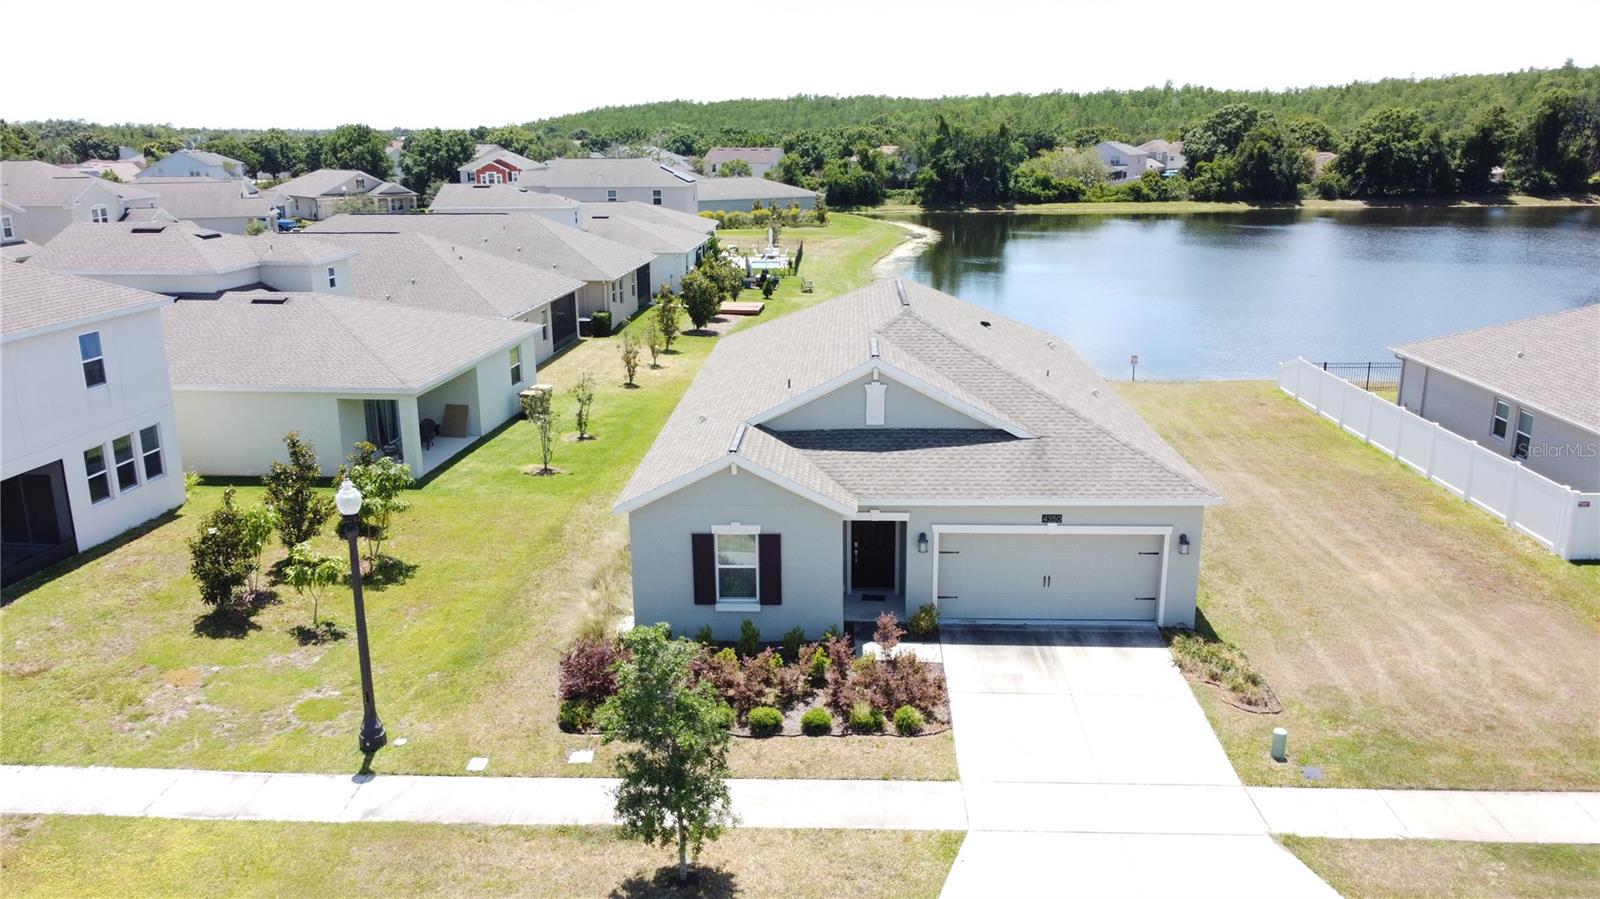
846 407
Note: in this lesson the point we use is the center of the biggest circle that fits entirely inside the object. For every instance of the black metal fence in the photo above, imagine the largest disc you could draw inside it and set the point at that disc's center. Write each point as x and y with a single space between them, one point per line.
1374 376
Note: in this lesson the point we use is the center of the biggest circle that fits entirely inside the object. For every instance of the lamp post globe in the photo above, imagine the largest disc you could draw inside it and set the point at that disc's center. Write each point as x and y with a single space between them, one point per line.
348 502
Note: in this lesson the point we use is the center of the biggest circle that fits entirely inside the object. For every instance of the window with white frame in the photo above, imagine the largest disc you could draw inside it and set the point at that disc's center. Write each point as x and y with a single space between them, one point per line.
1519 449
738 568
361 184
1502 419
611 196
516 176
333 277
93 358
616 291
94 467
5 227
516 365
469 178
491 177
127 467
150 451
655 197
99 214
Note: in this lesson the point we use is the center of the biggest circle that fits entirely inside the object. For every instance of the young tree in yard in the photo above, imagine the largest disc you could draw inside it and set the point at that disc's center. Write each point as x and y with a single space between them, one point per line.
674 775
382 482
291 489
220 555
887 634
630 358
310 573
667 309
700 298
582 394
259 523
654 342
541 411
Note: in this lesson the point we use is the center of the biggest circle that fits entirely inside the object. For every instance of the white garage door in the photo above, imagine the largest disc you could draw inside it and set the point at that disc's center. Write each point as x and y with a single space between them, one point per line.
1085 577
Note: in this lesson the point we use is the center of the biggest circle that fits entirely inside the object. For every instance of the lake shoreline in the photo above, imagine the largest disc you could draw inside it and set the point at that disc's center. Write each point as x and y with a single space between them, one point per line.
1190 207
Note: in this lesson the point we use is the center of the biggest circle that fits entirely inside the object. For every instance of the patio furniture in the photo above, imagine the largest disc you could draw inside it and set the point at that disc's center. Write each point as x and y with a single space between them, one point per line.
455 421
430 430
805 286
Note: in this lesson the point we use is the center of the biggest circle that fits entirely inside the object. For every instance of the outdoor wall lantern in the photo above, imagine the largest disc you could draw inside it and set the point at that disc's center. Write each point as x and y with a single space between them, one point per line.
922 542
1183 544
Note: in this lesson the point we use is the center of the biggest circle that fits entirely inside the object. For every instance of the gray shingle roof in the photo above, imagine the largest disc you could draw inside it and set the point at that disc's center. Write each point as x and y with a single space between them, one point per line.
659 215
639 232
29 182
1549 362
529 239
337 183
175 248
710 190
1084 442
486 153
323 342
495 198
752 155
592 173
429 273
33 299
204 198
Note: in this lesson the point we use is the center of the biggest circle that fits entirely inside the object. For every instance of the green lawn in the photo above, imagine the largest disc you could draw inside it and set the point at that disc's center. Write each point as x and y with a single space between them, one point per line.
101 664
1418 869
74 857
1414 640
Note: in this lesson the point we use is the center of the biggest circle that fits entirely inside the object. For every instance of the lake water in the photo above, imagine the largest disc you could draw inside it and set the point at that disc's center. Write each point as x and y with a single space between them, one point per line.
1232 295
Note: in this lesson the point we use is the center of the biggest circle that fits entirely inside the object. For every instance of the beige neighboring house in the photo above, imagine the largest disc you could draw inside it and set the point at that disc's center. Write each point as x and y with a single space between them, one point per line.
896 447
1528 390
742 194
615 180
760 159
676 247
318 195
610 271
1167 153
39 200
492 197
225 205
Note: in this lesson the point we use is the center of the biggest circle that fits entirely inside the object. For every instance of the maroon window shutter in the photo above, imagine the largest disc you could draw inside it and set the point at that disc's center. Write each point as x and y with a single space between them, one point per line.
704 548
770 552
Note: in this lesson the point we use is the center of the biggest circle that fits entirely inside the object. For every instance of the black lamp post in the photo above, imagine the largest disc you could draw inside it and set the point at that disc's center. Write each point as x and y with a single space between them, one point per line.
348 500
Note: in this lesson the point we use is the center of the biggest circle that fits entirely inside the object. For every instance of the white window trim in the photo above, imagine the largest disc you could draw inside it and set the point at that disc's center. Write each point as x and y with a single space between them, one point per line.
516 365
742 604
100 214
134 459
105 374
104 472
333 277
1494 417
6 230
611 196
146 452
1519 433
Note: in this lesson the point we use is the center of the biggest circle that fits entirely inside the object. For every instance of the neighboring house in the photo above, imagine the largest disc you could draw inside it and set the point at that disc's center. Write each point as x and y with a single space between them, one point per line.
431 273
760 159
1166 153
129 154
676 248
615 180
504 197
610 271
1124 160
897 447
195 164
494 164
249 366
1322 159
319 194
90 442
180 258
1528 389
125 171
40 200
220 204
741 194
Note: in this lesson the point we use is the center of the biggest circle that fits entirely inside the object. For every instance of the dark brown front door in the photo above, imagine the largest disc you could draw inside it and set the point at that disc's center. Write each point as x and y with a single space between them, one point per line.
872 555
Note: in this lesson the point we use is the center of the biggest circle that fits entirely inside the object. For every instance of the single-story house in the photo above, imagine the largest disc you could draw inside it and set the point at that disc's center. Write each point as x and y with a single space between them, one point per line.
248 366
195 164
741 194
491 197
1528 389
39 200
677 249
611 271
494 164
613 180
897 447
225 205
89 443
760 159
423 272
318 195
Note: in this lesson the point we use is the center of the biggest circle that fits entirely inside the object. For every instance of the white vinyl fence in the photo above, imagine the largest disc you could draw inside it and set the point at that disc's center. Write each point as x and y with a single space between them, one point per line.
1564 520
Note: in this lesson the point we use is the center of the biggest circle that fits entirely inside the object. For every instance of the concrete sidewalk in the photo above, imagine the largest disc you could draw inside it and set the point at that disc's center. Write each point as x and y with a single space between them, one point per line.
1488 817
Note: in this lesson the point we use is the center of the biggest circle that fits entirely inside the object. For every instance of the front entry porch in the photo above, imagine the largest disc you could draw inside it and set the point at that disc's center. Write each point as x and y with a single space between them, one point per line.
874 575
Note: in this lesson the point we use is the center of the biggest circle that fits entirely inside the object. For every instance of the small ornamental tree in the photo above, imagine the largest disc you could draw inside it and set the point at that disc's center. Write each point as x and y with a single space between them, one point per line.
630 358
666 317
541 411
674 774
220 555
259 522
654 342
888 634
382 482
582 393
310 573
700 298
291 489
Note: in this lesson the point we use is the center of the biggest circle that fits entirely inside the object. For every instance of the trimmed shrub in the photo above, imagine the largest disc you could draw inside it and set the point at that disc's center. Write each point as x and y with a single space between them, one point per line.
816 723
792 641
903 680
600 324
575 715
703 636
864 719
924 621
817 667
908 721
719 669
749 642
588 671
764 721
888 633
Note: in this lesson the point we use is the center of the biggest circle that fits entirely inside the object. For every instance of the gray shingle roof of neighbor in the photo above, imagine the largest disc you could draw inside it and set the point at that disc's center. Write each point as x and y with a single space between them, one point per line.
1549 362
248 340
1121 147
18 250
659 215
1055 429
27 182
210 158
495 197
519 237
34 299
175 248
752 155
605 173
192 198
430 273
326 183
713 189
642 233
147 215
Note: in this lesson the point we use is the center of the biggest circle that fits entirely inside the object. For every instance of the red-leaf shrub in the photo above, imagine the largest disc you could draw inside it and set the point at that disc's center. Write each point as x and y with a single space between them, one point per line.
719 668
903 680
888 633
841 689
588 671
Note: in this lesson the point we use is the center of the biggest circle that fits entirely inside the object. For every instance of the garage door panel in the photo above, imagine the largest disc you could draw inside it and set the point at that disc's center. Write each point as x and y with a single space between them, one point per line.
1111 577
